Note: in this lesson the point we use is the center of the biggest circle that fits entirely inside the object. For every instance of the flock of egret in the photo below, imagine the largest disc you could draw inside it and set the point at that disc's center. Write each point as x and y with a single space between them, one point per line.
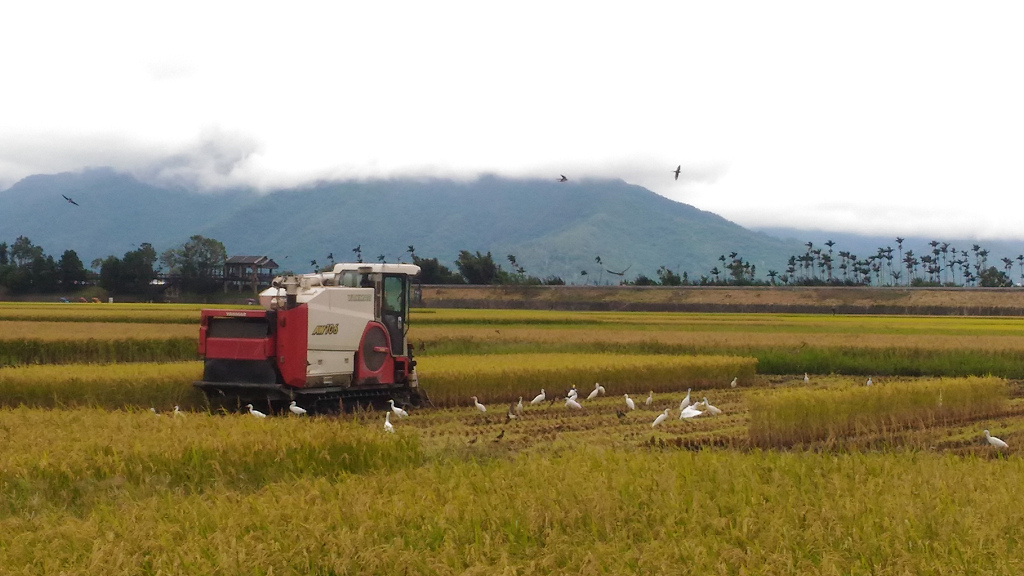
687 409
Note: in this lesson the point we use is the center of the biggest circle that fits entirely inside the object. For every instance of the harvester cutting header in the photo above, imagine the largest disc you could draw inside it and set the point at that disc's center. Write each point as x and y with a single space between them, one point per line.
322 339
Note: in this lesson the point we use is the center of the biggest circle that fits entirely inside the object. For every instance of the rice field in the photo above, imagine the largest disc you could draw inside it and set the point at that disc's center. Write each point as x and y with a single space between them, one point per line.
827 476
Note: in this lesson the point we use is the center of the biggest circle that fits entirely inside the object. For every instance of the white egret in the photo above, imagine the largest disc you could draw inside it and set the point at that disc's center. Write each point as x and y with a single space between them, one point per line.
712 409
807 379
296 409
178 412
995 441
689 412
538 398
650 398
869 381
388 426
519 407
511 415
478 405
153 410
255 412
571 402
686 401
599 388
661 418
629 402
593 394
734 383
398 411
572 392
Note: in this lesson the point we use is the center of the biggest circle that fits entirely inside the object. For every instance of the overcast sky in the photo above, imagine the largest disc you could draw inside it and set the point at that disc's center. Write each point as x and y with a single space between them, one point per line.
876 117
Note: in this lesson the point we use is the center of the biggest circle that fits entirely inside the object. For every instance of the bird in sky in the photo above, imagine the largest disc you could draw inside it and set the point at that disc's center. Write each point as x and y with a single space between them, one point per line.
296 409
478 405
255 412
994 441
661 418
70 201
623 273
678 170
398 411
388 426
629 402
538 398
563 178
331 256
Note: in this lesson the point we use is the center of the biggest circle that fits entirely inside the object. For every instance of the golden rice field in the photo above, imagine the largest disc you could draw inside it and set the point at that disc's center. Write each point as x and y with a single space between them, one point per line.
827 476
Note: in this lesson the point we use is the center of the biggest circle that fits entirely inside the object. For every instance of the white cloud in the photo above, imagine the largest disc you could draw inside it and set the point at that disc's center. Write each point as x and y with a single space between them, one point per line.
892 118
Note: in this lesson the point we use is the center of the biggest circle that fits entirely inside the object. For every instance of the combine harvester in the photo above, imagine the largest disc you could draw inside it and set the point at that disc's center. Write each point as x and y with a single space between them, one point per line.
326 340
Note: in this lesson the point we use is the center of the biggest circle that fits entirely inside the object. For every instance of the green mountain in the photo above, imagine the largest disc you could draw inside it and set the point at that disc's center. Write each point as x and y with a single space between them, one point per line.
552 228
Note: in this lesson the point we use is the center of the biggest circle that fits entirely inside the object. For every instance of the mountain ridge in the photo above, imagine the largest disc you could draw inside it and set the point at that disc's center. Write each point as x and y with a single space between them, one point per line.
553 229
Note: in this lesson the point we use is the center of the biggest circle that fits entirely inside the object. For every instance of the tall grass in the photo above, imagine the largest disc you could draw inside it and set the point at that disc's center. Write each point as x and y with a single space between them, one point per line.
799 415
143 385
19 352
451 380
117 493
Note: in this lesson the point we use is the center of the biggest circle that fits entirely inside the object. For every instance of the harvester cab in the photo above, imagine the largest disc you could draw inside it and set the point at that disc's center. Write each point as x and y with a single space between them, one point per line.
326 340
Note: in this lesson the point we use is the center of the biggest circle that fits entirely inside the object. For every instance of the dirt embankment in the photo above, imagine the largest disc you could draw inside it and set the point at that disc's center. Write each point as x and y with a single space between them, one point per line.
837 300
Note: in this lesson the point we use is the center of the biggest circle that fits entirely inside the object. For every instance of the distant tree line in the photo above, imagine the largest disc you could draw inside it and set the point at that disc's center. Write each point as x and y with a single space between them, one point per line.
196 267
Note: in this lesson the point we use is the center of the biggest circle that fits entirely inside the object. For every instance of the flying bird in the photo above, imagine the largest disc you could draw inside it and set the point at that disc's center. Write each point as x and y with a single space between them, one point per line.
678 170
255 412
296 409
995 441
623 273
563 178
70 201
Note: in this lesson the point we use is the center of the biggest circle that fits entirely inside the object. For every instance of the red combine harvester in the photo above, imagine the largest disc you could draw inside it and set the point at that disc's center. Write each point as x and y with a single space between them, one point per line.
324 340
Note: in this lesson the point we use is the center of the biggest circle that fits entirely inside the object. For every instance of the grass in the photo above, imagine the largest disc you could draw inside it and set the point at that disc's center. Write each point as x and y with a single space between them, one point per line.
451 380
792 416
92 491
139 385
